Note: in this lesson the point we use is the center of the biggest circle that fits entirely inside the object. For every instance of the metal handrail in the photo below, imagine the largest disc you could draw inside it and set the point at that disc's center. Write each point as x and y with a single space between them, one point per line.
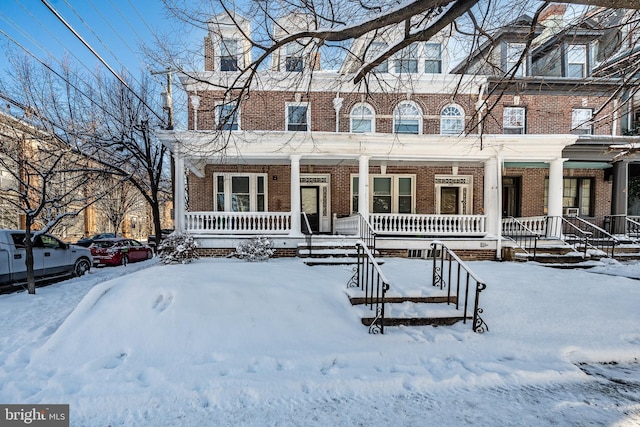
558 231
307 232
449 268
600 239
369 278
522 236
622 225
367 233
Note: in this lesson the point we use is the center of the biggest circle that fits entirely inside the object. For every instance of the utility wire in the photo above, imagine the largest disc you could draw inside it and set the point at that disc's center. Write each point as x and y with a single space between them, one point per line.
88 46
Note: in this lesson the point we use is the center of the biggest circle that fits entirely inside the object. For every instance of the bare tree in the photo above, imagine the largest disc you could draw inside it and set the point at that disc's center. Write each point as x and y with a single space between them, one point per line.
122 199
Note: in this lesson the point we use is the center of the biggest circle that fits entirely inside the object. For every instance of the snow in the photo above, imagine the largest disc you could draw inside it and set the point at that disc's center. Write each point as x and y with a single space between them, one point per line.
227 342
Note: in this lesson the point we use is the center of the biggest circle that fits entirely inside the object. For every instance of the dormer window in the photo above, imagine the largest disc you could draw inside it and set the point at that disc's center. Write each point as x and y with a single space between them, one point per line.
293 60
229 55
375 50
514 53
576 60
433 58
407 60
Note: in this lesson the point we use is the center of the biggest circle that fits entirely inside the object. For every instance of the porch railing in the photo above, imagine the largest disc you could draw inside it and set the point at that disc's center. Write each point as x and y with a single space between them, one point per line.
307 231
450 272
346 226
369 278
431 225
577 231
525 238
238 222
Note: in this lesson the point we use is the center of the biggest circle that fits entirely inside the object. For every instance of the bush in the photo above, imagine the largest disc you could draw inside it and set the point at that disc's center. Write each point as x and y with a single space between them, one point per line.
178 248
257 249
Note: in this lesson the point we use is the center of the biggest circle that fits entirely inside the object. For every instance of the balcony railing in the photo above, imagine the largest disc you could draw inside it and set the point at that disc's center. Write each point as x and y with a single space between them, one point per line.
238 222
429 225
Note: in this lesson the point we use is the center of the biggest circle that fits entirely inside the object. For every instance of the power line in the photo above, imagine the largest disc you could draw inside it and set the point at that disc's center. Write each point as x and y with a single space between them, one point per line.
88 46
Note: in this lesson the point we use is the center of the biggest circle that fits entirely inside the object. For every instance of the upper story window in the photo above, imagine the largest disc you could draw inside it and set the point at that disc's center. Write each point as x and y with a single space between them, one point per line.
513 120
407 60
227 117
581 121
576 60
407 118
229 55
432 58
294 57
362 119
376 48
297 117
452 120
514 53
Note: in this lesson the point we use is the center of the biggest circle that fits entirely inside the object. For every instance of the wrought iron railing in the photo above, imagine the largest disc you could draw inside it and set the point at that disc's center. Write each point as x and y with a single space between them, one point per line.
238 222
558 227
369 278
367 234
450 272
525 238
307 231
592 236
623 225
429 225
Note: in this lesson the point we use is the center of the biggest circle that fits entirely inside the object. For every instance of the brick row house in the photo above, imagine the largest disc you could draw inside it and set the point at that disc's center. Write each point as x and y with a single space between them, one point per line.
427 149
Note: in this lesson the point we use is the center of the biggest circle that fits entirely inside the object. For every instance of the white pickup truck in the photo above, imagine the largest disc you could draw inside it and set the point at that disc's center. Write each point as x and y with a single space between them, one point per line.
51 258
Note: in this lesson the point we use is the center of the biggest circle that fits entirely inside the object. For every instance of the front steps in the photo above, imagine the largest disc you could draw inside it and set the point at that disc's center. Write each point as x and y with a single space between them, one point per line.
330 250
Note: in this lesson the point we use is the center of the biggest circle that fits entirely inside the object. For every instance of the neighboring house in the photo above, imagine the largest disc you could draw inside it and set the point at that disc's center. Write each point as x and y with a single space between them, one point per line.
136 224
420 152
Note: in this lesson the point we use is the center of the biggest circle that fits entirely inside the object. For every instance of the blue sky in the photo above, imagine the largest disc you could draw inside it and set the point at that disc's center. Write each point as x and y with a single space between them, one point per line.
116 29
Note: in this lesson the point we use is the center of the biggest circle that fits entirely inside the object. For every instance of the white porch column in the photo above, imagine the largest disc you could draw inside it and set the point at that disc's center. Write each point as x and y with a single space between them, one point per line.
363 187
555 187
295 196
491 197
179 191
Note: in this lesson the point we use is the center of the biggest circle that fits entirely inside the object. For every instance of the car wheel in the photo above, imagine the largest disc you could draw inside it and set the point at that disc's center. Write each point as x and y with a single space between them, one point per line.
124 260
81 267
149 254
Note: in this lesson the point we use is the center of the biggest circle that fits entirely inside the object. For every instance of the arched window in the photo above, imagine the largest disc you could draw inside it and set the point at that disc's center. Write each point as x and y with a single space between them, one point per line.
407 118
363 119
452 120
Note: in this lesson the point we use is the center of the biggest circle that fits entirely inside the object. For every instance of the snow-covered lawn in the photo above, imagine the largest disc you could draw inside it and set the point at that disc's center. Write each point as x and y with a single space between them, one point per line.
226 342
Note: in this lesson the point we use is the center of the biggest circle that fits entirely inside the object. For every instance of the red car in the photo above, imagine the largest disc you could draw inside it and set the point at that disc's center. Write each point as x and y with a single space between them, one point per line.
119 251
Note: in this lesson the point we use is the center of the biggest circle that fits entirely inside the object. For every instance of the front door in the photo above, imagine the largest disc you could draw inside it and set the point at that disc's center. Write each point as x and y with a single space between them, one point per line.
510 197
449 200
309 200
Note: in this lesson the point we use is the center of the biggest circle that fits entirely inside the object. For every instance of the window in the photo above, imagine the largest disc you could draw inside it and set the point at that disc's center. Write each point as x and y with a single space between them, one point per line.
513 120
227 117
240 192
514 53
576 60
293 60
576 193
451 120
581 123
407 118
375 50
229 55
432 58
362 119
389 193
297 117
407 60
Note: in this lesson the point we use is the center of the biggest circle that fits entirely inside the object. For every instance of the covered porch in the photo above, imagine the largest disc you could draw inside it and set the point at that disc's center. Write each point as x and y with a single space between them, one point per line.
409 187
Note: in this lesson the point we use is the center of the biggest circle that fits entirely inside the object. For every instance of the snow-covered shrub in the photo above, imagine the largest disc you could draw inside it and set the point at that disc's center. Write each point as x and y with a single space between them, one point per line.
257 249
178 248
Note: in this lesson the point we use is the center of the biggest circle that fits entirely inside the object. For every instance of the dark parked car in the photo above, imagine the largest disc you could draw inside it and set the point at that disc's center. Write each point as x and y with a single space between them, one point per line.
87 241
151 240
119 251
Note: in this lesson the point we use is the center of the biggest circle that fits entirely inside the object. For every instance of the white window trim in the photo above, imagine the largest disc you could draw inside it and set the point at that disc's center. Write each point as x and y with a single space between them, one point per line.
239 53
424 59
395 191
524 120
443 117
521 71
286 115
585 64
372 117
217 118
463 183
419 117
253 190
582 124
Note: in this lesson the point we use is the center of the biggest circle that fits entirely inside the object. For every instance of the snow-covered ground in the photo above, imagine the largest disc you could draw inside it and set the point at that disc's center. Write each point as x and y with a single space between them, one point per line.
226 342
